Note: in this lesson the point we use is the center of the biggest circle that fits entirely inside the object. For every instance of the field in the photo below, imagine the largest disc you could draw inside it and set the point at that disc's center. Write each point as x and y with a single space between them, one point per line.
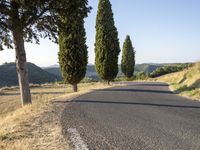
186 82
36 126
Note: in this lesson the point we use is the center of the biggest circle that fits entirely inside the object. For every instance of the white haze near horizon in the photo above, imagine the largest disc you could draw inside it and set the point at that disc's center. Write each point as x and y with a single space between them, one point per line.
161 32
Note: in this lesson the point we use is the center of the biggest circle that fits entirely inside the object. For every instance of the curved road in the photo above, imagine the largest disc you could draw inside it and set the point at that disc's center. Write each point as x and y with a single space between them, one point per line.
139 116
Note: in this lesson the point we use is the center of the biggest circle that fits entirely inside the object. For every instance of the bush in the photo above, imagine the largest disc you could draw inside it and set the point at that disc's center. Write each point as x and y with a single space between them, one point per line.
141 76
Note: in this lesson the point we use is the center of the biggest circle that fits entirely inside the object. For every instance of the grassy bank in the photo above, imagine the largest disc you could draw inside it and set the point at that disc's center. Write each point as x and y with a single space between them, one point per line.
186 82
36 126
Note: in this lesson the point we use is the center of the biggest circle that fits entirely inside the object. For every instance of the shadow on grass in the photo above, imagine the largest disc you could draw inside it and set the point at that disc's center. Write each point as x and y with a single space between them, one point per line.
48 93
9 94
33 93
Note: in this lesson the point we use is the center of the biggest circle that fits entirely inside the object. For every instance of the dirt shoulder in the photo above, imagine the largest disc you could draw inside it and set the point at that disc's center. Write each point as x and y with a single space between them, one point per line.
38 126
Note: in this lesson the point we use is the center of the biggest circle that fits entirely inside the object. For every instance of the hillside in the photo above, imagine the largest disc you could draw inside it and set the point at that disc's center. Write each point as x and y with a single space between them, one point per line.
169 69
147 68
8 75
55 70
186 82
37 75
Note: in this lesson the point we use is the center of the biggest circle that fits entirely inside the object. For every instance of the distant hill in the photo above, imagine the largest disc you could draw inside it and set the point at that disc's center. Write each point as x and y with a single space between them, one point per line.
8 75
169 69
55 69
146 67
37 75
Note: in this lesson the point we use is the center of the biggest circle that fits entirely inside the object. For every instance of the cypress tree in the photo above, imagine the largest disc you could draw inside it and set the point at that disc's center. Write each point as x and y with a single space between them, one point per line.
128 58
107 43
73 55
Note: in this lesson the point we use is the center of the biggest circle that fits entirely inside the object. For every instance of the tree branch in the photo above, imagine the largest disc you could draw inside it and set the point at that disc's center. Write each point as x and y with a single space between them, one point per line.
4 8
3 21
35 17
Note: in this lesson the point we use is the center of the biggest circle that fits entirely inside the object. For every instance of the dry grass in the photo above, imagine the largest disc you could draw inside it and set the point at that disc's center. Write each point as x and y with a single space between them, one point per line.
186 82
36 126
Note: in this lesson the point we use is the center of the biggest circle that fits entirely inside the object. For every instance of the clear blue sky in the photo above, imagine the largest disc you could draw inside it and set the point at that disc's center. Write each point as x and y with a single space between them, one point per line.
162 31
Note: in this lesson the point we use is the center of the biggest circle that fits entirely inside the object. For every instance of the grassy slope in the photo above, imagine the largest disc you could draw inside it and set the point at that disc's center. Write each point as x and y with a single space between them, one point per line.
36 126
186 82
8 75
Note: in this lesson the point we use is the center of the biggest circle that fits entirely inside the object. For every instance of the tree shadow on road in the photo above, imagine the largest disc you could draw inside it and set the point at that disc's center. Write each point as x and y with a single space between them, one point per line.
150 84
129 103
136 90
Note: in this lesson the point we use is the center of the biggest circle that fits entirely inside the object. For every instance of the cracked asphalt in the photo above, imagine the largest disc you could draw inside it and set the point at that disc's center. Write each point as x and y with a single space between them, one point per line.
139 116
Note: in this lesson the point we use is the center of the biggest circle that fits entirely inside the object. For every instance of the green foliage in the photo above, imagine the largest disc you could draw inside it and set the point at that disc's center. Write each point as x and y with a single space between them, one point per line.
141 76
107 43
8 75
138 76
147 68
36 18
169 69
128 58
72 43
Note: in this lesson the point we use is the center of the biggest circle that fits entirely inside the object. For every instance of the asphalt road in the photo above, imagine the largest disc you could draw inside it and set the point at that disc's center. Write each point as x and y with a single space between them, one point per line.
139 116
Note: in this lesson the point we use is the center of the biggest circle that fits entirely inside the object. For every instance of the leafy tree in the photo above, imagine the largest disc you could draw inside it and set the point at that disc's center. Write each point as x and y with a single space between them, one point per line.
72 43
128 58
27 21
107 43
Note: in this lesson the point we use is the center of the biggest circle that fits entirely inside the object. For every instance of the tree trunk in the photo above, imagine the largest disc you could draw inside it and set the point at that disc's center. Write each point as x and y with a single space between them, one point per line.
75 87
21 66
108 82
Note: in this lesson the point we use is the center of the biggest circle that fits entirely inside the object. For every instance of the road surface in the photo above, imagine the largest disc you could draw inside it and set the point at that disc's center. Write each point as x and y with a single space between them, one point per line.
139 116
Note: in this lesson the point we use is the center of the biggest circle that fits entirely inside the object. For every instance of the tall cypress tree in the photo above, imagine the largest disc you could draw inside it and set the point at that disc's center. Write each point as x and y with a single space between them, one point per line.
107 43
128 58
73 55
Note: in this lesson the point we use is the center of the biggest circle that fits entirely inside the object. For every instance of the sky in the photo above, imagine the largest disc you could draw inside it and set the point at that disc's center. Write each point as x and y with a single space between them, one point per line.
162 31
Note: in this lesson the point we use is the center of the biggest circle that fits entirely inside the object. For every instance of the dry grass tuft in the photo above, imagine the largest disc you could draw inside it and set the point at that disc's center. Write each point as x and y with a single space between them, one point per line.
36 126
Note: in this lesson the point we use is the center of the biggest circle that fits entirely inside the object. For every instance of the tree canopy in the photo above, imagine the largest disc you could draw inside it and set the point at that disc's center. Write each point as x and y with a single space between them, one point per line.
107 43
128 58
72 44
38 18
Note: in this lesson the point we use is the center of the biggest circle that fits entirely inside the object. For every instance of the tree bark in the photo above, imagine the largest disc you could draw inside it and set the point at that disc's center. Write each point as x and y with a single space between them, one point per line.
75 87
21 66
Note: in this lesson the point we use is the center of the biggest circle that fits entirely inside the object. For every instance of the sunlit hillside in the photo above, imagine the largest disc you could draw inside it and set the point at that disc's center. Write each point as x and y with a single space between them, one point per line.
186 82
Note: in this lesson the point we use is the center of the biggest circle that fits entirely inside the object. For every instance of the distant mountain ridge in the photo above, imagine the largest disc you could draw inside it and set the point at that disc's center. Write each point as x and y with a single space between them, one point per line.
37 75
8 75
147 68
55 69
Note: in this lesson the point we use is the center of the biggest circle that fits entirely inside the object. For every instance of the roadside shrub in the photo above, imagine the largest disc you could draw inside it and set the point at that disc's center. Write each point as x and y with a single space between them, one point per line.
141 76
